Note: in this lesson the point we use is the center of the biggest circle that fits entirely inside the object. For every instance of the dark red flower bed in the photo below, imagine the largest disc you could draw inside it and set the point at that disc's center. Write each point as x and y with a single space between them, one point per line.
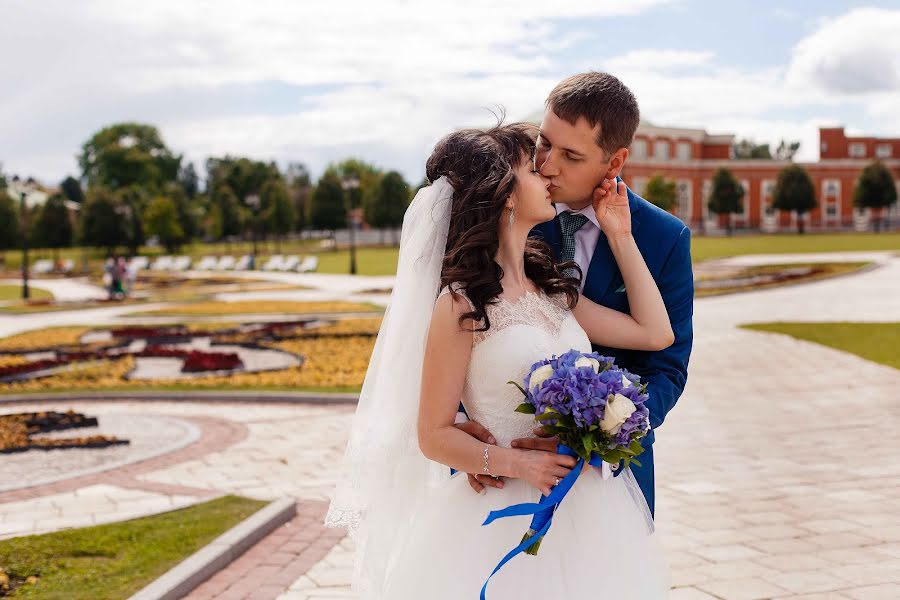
151 332
37 365
195 360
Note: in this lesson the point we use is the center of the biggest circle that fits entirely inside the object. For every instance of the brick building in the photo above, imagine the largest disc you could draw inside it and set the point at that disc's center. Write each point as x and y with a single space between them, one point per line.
691 156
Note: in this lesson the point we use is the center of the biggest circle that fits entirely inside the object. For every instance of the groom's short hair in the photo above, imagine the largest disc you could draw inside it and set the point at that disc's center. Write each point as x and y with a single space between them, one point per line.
601 99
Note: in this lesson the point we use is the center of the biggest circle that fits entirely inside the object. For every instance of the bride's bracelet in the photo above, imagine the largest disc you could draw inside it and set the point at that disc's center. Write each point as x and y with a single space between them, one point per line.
486 468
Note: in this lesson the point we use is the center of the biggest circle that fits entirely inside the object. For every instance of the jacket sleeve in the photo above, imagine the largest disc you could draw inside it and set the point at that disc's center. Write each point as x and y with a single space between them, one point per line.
666 371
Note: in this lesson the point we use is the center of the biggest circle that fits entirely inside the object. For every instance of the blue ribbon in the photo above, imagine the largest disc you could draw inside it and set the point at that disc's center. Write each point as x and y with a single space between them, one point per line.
542 510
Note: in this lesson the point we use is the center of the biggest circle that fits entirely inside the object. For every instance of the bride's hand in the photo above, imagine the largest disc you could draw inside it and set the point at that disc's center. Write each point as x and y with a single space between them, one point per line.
543 470
612 210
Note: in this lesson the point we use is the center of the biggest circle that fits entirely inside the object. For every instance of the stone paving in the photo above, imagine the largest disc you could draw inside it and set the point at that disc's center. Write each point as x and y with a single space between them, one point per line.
776 473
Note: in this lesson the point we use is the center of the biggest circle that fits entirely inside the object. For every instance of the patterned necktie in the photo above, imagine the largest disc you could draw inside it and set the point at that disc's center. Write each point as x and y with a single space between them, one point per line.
570 223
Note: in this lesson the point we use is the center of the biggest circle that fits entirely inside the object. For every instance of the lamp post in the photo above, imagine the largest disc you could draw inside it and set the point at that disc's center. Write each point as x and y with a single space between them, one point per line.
24 211
351 185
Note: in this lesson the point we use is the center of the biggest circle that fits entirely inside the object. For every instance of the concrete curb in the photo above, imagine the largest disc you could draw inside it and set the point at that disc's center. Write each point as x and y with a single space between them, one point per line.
212 558
188 396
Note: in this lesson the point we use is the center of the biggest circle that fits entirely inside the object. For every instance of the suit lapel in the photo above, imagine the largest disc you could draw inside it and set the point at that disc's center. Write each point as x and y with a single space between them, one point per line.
603 269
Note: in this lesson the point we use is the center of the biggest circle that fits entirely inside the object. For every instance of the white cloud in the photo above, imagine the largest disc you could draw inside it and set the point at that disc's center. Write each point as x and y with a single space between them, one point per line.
856 53
390 73
658 60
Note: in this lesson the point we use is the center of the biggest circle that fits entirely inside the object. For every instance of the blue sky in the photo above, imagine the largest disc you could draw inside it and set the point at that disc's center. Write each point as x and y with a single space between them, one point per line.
290 81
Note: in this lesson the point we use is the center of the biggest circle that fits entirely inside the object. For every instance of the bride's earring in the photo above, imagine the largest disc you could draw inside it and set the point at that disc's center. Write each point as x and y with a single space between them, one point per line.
512 216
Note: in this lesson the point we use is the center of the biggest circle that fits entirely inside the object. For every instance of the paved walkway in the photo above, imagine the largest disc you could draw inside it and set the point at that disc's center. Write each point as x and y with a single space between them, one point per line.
777 471
73 289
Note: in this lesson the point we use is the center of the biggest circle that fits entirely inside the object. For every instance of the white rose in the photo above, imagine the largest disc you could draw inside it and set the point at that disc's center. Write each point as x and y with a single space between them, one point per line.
539 376
584 361
617 412
626 383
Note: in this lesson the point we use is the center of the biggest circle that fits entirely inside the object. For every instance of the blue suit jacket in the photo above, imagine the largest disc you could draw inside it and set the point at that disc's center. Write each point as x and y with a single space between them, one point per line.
665 243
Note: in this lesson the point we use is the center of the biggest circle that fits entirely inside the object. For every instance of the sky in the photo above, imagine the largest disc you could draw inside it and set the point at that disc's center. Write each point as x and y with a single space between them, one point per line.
317 82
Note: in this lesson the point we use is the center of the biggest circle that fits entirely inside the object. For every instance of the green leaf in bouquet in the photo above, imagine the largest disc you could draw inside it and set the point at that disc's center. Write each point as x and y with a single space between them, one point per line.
548 413
521 389
526 408
635 447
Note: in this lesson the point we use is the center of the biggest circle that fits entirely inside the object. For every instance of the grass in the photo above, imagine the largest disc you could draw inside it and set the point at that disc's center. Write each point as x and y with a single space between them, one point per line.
114 561
14 293
878 342
704 248
383 260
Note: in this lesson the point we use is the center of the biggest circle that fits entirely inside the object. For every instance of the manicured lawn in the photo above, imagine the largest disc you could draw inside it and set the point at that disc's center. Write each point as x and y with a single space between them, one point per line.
114 561
878 342
383 261
703 248
14 292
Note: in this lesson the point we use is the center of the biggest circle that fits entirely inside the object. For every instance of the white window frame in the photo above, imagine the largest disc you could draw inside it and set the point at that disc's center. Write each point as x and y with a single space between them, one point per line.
884 151
639 149
826 203
685 205
657 144
683 151
856 150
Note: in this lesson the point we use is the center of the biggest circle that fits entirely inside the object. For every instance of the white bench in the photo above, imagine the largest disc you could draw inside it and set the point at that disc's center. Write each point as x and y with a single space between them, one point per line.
207 263
139 262
42 266
274 263
309 264
226 263
243 263
163 263
181 263
290 263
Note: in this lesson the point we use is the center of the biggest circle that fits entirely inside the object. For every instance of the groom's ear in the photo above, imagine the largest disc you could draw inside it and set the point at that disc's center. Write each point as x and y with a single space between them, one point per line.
616 163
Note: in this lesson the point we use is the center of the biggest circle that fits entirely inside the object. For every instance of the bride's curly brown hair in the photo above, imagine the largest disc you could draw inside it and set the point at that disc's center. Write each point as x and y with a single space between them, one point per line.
481 167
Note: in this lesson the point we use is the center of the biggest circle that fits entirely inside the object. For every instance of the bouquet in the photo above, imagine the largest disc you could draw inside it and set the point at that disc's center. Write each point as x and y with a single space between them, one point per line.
596 409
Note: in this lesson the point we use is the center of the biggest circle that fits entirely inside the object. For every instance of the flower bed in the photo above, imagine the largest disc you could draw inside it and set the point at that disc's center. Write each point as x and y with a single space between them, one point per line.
196 361
17 432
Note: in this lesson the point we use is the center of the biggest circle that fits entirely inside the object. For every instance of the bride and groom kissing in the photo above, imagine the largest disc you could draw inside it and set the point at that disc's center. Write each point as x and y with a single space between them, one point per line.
526 245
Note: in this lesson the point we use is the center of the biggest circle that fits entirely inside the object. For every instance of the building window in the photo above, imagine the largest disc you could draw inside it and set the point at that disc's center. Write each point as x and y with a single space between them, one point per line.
824 147
883 150
768 196
857 150
744 199
831 192
661 150
683 151
685 200
639 149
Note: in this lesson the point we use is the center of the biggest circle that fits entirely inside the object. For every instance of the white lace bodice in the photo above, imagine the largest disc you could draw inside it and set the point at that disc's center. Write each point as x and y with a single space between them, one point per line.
522 332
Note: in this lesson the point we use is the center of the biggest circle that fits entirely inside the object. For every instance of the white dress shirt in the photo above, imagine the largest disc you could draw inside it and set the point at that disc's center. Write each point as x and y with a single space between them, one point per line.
585 238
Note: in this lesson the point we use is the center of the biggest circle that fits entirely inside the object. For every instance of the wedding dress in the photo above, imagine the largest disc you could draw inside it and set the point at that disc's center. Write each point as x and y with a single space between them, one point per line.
601 544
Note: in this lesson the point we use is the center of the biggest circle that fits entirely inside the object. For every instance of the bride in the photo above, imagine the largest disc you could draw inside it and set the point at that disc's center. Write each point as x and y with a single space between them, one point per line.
475 304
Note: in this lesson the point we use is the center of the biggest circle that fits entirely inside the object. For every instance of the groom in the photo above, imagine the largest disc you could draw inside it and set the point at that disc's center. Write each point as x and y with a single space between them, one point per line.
589 123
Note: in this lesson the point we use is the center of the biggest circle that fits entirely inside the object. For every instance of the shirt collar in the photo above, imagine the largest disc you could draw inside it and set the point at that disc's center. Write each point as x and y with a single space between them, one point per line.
587 211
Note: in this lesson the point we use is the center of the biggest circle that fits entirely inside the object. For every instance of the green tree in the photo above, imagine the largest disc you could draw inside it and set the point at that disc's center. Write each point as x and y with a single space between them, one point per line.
368 176
133 201
246 179
389 204
300 190
726 196
328 210
662 192
53 226
162 221
747 149
2 178
786 150
102 221
795 192
875 189
189 180
9 222
227 213
71 189
279 214
128 154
